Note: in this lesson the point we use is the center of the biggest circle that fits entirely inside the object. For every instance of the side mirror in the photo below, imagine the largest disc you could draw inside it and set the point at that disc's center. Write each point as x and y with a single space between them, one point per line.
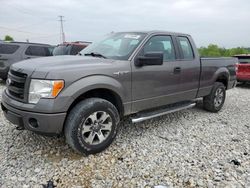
150 58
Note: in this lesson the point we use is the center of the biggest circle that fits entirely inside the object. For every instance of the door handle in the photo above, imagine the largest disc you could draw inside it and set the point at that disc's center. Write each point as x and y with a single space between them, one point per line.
177 70
28 57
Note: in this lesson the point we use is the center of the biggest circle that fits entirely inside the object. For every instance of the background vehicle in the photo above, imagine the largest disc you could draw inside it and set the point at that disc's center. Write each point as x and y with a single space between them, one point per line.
70 48
143 73
11 52
243 73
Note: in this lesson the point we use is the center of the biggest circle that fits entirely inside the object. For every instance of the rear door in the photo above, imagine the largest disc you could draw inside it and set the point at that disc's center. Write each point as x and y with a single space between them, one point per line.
189 67
156 85
36 51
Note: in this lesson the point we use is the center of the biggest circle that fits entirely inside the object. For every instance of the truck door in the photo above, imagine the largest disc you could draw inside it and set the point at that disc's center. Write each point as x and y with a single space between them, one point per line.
156 85
189 67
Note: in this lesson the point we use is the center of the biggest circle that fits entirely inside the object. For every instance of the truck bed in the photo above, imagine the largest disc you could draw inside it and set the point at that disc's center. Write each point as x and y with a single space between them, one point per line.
210 67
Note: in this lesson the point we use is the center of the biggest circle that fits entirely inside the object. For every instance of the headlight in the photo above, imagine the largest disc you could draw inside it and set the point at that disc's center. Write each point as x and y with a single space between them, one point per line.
44 89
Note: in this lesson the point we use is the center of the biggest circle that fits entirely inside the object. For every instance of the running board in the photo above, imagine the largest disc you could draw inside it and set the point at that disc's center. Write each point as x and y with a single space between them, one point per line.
161 112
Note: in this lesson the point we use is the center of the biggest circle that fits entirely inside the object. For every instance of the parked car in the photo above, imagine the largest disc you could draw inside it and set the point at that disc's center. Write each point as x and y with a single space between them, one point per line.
70 48
243 73
12 52
147 74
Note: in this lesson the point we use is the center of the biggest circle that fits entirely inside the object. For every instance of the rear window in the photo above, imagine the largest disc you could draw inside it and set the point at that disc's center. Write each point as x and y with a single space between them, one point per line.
61 50
37 51
76 49
8 48
244 61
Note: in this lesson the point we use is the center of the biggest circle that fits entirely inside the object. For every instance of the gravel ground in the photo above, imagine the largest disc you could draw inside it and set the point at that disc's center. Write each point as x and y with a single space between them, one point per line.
192 148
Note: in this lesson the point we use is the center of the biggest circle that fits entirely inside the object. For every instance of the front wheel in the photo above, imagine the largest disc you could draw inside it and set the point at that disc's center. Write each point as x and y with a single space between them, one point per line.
215 100
91 125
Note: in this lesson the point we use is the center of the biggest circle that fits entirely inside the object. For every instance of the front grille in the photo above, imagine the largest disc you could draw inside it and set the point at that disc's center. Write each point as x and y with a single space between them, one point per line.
16 84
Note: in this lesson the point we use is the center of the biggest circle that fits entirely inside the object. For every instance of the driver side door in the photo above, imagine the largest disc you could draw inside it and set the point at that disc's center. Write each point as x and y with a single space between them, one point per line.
156 85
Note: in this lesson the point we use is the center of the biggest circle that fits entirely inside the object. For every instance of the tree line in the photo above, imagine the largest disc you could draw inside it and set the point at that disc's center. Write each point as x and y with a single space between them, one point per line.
214 50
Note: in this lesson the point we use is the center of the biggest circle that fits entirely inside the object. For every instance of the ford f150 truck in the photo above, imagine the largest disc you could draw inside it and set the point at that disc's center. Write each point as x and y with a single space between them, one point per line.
84 97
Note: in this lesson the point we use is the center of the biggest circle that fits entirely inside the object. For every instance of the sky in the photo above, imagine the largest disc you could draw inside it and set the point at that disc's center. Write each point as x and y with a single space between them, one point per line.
222 22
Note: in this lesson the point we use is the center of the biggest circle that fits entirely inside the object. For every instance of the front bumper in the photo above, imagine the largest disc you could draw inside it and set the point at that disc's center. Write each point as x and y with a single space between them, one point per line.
48 124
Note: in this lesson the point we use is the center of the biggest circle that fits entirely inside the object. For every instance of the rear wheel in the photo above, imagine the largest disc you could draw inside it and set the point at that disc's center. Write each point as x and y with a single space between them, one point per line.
91 125
215 100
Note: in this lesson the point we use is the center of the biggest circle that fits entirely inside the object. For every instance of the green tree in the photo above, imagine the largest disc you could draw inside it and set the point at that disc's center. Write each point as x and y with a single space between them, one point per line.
236 51
214 50
211 51
8 38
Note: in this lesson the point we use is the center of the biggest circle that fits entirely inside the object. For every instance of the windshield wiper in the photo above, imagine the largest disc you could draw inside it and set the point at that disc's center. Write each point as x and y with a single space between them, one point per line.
95 55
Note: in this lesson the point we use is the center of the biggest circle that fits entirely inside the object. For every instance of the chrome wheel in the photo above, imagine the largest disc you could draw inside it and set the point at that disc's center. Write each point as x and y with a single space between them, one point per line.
96 128
219 96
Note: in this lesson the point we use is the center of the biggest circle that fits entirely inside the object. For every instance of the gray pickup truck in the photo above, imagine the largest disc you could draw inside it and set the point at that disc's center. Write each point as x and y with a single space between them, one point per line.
84 97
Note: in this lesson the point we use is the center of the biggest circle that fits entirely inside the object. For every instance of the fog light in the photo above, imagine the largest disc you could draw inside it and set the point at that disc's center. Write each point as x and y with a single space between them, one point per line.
33 122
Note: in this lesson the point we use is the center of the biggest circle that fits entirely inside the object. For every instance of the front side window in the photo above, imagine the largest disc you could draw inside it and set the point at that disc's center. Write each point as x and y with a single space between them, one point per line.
186 48
117 46
8 48
162 44
37 51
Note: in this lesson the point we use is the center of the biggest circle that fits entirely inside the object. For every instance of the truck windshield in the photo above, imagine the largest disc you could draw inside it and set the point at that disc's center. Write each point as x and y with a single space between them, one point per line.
117 46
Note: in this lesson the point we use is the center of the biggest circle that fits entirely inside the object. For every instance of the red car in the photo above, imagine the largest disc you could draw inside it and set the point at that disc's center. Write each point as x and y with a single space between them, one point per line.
243 73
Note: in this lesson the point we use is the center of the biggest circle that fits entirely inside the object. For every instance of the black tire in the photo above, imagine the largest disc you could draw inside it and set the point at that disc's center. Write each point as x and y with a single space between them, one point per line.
209 103
80 117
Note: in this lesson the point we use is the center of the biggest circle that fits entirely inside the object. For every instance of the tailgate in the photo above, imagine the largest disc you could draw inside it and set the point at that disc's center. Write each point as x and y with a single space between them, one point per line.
244 68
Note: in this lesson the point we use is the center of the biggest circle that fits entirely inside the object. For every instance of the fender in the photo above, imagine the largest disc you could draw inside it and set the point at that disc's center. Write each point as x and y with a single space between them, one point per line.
88 83
223 71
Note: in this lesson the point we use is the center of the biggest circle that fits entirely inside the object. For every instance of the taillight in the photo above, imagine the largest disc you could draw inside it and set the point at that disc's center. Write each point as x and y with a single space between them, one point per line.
236 67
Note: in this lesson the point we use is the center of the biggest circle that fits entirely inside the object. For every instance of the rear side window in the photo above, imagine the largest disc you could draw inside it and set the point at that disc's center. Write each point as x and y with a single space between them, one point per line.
37 51
8 48
185 48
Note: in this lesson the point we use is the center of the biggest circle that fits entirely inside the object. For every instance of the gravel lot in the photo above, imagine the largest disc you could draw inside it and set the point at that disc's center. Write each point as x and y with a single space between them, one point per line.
192 148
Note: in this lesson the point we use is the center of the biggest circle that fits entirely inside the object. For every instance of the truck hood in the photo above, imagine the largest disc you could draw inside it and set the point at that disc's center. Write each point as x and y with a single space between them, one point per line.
42 67
61 63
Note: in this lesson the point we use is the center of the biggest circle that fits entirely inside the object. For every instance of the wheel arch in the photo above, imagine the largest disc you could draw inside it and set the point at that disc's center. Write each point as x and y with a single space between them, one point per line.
222 75
103 93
